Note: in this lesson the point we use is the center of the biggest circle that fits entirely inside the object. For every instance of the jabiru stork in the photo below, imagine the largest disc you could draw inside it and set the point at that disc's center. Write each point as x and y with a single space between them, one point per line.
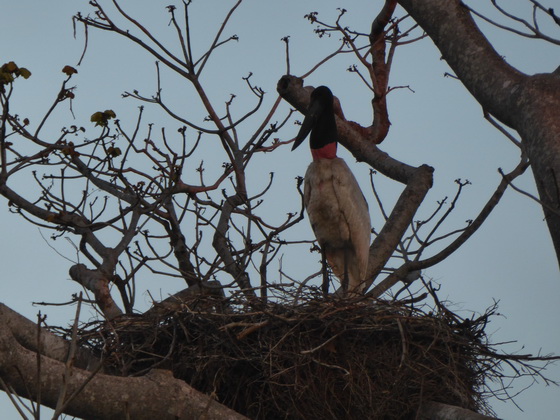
337 209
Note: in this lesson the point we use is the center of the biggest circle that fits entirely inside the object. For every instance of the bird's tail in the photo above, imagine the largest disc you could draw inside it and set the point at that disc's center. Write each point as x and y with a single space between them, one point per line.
345 266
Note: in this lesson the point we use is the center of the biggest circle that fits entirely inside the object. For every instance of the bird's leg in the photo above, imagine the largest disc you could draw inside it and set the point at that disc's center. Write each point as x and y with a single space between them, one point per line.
345 279
325 285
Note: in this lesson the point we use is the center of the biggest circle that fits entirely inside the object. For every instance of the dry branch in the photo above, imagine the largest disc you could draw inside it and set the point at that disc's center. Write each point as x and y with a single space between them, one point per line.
101 396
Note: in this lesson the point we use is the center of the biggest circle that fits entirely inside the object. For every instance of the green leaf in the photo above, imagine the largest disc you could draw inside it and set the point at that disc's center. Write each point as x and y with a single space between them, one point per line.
110 114
97 117
5 78
114 151
10 67
23 72
69 70
102 118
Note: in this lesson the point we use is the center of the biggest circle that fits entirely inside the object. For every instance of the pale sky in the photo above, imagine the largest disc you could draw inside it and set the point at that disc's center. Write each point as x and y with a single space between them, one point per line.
510 259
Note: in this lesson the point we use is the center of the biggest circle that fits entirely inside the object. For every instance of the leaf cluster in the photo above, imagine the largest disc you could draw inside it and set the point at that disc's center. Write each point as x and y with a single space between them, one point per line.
10 71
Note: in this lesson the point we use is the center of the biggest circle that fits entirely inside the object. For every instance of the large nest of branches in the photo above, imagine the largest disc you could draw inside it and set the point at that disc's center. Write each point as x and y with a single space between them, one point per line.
317 358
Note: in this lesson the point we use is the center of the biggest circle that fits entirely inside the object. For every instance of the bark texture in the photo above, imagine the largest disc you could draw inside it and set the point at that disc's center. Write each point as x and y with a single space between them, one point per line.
91 395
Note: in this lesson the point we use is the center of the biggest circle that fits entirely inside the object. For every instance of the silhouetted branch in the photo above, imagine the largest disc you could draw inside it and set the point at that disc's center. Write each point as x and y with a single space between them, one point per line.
411 266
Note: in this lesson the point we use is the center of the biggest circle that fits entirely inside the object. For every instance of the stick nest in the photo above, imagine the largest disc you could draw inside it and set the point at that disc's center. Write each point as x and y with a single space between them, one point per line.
316 359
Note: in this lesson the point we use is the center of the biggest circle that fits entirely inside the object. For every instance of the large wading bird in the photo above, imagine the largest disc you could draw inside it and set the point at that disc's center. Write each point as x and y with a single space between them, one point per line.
337 209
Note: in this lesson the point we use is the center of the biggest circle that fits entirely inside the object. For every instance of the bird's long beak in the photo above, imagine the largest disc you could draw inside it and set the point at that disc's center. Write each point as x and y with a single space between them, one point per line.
315 108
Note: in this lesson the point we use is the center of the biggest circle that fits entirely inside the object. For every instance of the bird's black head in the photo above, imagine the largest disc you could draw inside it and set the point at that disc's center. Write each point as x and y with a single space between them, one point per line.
319 120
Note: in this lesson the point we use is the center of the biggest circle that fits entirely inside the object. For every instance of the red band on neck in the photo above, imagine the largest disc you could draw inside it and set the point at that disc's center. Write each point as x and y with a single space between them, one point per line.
325 152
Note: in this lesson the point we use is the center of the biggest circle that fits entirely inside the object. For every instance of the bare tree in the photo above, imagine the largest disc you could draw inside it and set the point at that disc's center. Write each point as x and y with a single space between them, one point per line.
527 104
125 191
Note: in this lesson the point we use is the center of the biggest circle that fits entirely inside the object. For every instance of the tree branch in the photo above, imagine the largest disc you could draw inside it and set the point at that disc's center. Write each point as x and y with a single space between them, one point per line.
398 222
528 104
156 395
402 272
97 283
474 60
52 346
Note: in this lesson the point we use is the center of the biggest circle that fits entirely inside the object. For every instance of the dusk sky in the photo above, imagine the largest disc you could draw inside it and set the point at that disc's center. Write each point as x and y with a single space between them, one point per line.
434 121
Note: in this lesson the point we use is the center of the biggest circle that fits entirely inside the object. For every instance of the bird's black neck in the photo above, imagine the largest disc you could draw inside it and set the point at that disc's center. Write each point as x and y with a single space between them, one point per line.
324 131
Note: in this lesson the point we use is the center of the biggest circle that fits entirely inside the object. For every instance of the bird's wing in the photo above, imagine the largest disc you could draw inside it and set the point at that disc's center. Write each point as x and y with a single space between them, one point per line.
339 216
355 211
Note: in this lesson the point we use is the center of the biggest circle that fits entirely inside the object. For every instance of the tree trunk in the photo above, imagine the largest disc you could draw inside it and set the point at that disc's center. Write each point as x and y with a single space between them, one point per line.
528 104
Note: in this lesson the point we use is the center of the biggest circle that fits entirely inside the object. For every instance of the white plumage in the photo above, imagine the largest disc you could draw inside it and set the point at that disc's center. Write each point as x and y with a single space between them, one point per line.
337 209
339 216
